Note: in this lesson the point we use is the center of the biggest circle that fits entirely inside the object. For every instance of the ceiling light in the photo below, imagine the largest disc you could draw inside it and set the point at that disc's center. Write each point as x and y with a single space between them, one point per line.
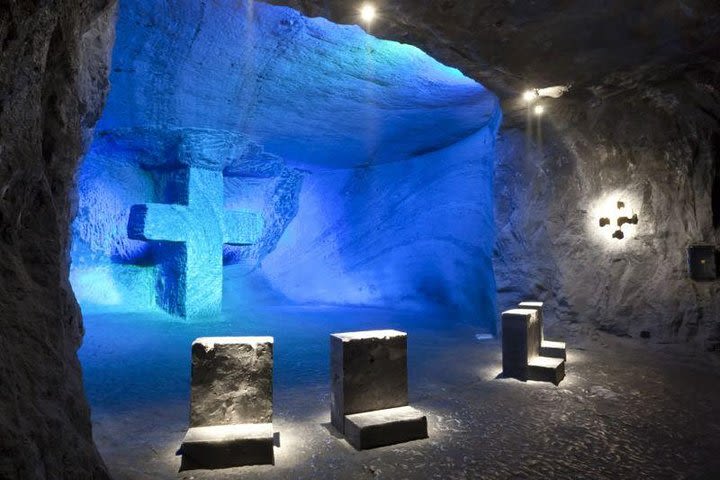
539 110
368 13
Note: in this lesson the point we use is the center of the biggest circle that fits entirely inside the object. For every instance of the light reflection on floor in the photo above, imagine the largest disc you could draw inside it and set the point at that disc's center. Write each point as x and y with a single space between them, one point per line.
618 411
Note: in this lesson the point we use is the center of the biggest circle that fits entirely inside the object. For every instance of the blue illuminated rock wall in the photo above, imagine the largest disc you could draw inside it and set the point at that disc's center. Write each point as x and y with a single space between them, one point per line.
375 161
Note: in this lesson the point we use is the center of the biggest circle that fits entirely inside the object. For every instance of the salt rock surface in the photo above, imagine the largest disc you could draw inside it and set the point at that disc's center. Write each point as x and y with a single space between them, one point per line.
380 159
639 123
53 79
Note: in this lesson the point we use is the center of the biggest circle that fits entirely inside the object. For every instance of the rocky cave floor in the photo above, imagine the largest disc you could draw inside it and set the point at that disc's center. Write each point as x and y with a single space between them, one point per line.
624 410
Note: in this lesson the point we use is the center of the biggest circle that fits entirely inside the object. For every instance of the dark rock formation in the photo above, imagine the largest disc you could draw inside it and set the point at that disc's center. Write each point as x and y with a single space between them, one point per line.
641 121
53 79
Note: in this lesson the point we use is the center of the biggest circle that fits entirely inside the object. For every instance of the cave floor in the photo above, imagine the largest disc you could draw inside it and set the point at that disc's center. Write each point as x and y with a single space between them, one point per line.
623 411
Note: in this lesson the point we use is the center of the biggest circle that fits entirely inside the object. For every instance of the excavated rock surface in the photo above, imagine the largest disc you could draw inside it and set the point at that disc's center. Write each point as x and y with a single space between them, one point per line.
53 78
642 116
384 150
641 123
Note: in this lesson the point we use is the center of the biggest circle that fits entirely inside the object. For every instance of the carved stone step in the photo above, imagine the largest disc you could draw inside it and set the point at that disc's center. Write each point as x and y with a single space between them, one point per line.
546 369
552 349
385 427
225 446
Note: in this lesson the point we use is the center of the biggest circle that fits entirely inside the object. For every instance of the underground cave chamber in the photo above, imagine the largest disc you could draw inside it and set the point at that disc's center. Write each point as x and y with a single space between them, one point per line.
263 179
354 175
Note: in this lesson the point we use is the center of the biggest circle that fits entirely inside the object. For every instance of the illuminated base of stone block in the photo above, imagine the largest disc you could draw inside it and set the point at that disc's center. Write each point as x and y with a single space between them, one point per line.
227 446
385 427
552 349
545 369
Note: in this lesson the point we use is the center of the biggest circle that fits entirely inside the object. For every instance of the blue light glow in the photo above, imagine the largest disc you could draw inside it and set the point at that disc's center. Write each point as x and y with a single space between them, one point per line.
192 233
370 163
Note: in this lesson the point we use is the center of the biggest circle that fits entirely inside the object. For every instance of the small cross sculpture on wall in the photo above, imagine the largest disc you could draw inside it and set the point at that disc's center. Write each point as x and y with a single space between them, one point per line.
620 221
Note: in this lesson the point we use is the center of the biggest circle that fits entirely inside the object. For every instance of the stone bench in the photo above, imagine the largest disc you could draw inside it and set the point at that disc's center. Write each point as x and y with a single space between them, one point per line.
521 353
230 404
369 397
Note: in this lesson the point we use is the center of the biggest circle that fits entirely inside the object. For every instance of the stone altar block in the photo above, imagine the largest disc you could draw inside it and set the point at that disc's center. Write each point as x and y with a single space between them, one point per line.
369 397
521 339
230 403
548 348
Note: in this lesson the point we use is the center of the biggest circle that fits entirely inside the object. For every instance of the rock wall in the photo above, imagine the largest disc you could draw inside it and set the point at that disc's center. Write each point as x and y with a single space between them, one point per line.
642 118
400 235
640 121
551 194
381 159
53 79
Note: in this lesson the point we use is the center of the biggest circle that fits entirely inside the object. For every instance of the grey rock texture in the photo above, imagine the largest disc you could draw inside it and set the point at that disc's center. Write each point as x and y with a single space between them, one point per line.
372 140
642 118
522 339
227 446
230 403
53 79
231 381
389 426
368 372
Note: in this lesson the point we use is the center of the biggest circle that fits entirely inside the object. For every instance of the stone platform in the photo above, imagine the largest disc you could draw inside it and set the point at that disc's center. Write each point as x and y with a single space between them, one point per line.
385 427
369 398
479 427
522 351
553 349
230 403
225 446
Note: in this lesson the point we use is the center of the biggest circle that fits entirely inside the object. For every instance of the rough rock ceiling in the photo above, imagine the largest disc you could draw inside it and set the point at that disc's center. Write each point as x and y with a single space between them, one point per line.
601 48
310 91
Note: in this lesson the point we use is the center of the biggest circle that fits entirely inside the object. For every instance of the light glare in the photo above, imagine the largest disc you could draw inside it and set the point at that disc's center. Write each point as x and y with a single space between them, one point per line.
529 95
539 110
368 12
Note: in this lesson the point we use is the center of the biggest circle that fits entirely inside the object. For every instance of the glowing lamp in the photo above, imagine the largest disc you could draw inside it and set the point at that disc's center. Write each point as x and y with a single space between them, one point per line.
539 110
368 13
529 96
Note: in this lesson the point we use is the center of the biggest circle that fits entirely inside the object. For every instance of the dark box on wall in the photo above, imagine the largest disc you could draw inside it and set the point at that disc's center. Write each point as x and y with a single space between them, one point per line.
702 263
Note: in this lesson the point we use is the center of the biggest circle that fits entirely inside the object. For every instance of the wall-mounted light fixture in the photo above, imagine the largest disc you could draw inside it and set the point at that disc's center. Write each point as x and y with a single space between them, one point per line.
619 221
530 95
702 262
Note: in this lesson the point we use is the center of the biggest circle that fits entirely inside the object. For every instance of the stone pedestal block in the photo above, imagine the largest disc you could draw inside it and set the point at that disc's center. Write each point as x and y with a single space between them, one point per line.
231 403
521 342
231 381
226 446
369 383
385 427
538 307
546 369
369 372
